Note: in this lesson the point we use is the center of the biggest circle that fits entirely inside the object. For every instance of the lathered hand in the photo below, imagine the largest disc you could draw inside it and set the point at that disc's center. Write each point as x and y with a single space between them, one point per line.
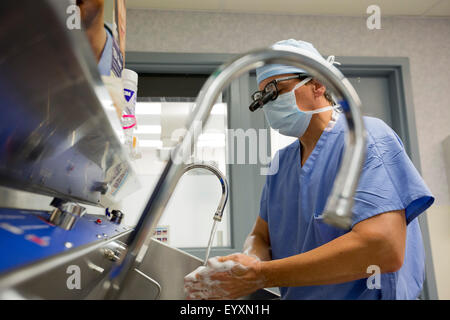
227 277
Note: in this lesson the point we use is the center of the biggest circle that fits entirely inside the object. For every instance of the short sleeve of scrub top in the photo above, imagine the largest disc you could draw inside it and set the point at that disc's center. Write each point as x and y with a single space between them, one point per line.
389 181
104 65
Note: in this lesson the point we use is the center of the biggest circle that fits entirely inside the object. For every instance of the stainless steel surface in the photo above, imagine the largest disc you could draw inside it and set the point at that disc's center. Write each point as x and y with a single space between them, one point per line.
66 215
37 272
168 266
59 131
68 221
49 279
142 287
55 216
223 183
340 202
13 198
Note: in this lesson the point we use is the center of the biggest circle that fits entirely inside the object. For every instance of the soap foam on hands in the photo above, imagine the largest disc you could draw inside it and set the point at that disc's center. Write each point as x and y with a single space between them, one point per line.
207 285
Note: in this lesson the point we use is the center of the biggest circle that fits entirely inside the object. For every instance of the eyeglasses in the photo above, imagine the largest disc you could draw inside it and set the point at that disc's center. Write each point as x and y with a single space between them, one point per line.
270 92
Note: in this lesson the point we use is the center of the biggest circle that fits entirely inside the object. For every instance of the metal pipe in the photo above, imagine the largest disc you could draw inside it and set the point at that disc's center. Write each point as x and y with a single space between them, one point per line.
340 202
223 182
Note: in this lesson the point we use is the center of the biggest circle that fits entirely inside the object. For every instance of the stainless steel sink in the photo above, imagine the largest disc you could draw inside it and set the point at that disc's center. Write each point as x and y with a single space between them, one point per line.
161 275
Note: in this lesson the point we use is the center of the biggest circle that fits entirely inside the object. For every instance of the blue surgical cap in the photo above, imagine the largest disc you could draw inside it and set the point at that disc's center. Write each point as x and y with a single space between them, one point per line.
270 70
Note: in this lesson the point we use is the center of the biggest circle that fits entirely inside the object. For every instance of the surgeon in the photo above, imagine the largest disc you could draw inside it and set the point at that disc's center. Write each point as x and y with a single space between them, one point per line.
380 257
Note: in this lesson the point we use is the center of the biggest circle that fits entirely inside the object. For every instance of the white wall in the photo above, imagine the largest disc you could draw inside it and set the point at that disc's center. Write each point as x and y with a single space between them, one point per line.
425 41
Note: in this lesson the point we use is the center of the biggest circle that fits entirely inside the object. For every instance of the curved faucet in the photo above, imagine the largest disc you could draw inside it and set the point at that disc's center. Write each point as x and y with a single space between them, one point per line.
223 182
338 209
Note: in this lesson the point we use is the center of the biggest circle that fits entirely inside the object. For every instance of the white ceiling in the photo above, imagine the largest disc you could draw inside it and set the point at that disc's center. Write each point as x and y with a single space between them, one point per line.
426 8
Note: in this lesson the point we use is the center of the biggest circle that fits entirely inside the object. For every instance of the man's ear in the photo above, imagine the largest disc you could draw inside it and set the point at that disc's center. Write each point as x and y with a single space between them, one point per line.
318 89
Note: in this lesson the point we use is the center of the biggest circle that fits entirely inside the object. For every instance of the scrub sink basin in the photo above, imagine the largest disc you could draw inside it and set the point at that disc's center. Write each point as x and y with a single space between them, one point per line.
161 275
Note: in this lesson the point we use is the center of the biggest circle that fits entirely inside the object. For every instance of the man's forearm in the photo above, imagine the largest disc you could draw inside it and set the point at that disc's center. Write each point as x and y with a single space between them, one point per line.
256 246
343 259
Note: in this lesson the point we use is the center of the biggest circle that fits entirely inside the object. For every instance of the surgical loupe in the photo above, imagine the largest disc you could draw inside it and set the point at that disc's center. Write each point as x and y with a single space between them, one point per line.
270 92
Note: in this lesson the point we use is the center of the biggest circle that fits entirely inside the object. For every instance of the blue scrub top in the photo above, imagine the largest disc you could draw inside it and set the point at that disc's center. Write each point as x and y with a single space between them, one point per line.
104 65
294 198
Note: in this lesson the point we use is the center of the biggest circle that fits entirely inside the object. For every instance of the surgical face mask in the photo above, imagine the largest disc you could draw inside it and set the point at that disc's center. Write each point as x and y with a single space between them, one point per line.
284 115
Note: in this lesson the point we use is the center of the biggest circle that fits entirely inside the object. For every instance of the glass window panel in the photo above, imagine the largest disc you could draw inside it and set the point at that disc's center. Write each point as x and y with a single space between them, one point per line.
188 218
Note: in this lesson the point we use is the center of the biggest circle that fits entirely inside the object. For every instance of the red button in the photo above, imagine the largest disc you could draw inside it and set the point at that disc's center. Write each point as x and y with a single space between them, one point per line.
37 240
99 221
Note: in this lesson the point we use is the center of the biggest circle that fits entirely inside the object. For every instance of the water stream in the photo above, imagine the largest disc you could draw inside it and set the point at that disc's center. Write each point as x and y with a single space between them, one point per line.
210 242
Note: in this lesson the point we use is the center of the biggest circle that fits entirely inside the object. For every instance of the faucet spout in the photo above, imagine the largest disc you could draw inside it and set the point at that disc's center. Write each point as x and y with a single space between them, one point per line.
223 183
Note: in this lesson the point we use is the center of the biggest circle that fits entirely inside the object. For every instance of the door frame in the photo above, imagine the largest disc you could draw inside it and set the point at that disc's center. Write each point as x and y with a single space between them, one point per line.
396 69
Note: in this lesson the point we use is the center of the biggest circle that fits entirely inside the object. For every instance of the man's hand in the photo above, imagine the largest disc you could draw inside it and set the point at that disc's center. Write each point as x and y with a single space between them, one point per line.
228 277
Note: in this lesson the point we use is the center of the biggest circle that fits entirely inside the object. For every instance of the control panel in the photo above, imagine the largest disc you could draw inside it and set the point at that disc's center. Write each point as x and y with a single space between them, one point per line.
27 236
